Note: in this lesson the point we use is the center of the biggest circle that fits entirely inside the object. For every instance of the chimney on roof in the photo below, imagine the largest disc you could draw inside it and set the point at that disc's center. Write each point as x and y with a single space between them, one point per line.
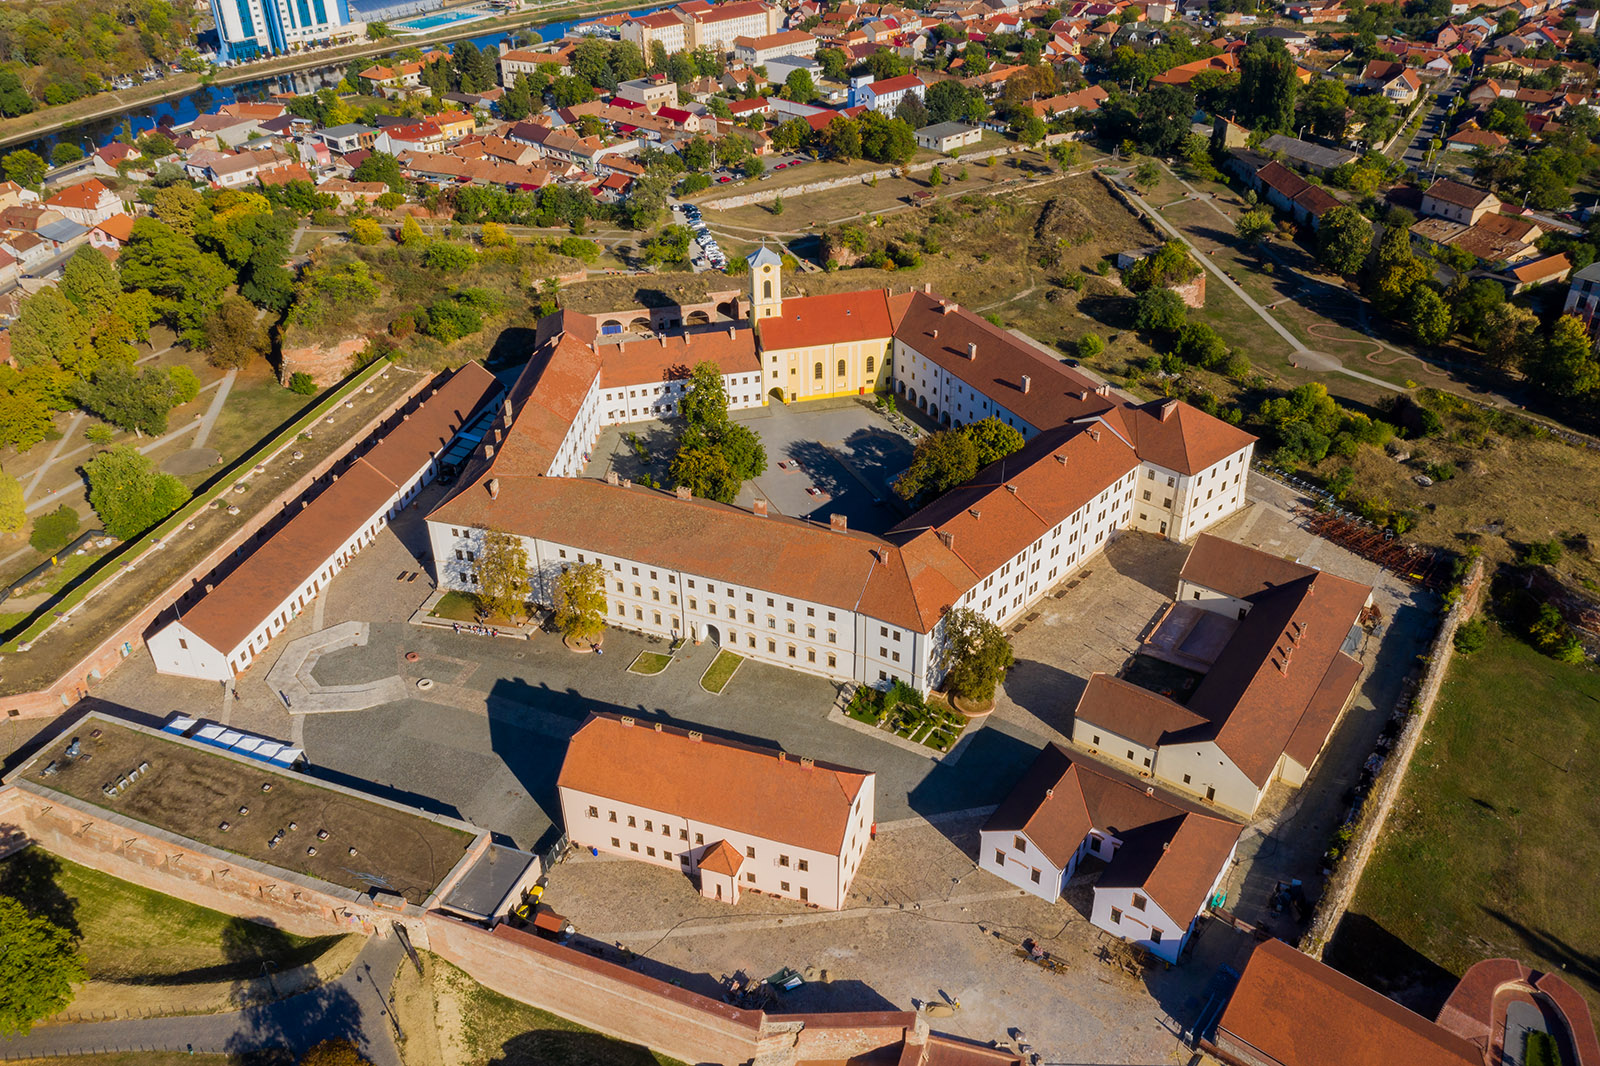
730 330
1027 383
1094 435
1011 488
658 727
627 482
488 451
759 508
612 478
927 288
1168 408
945 307
494 488
405 417
972 349
497 435
685 493
662 337
1165 844
838 523
807 762
209 587
626 720
1149 790
696 735
974 512
1060 458
947 539
1049 793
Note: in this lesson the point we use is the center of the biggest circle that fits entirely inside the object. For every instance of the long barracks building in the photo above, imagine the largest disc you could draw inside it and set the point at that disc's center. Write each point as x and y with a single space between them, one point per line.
832 601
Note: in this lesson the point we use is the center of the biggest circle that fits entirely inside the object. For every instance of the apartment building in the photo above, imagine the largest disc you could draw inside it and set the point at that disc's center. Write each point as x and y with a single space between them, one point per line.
734 817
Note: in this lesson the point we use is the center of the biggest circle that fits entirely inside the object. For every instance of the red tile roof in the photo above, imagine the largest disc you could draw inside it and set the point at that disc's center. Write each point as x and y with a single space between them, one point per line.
643 362
1169 846
84 196
721 858
1181 438
1238 570
1142 716
837 318
1290 1009
894 85
118 226
236 607
742 788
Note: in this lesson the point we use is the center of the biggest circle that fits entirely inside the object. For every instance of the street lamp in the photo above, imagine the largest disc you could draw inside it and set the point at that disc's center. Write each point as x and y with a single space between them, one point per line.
1302 134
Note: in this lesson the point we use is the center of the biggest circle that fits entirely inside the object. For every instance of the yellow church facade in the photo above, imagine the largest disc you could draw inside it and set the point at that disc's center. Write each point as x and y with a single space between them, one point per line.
816 347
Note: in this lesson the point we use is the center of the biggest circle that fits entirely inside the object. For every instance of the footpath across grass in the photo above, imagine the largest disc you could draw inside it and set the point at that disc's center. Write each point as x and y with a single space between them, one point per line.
1492 847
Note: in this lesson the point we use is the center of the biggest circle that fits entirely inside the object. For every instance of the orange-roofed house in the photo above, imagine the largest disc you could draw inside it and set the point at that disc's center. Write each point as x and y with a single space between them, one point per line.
113 233
87 203
1165 856
730 816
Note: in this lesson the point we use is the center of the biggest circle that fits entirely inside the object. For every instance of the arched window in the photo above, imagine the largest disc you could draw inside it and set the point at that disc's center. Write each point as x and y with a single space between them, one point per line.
817 372
841 368
871 364
766 290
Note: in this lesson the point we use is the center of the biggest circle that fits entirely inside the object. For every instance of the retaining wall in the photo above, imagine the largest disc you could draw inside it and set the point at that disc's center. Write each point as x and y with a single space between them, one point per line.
1341 887
74 684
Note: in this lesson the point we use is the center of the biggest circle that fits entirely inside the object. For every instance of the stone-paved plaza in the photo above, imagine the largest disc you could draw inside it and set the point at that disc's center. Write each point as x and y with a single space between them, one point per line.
485 740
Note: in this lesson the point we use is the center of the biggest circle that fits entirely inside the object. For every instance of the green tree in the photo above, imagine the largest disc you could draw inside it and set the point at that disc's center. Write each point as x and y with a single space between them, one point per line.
976 655
1344 239
39 963
55 530
935 177
51 331
411 234
23 167
1471 636
1254 226
1267 83
1090 346
1428 315
1032 131
180 207
580 602
134 399
715 455
128 493
381 166
941 462
503 575
993 440
187 284
365 231
1159 311
91 283
799 87
1565 363
235 335
64 153
334 1051
13 509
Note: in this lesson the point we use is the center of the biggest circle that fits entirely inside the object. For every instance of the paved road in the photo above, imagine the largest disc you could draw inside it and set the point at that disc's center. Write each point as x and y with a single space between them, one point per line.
1415 152
354 1007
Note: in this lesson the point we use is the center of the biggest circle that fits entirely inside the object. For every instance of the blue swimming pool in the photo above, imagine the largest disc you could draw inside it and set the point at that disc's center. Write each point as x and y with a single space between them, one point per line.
430 22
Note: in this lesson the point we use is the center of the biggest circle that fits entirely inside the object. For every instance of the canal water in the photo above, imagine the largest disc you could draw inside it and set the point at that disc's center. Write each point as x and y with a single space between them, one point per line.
178 110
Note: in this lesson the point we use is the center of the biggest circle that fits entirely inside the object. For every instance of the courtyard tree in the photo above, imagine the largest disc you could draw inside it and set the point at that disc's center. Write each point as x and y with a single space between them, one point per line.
716 455
941 462
977 655
503 576
993 439
580 607
128 493
39 962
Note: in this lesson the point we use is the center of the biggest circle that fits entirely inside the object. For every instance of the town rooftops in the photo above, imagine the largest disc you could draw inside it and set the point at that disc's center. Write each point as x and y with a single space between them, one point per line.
118 226
774 40
1170 847
703 12
758 791
1306 152
1546 269
1142 716
1453 192
941 130
1181 438
644 362
349 129
1237 570
1291 1010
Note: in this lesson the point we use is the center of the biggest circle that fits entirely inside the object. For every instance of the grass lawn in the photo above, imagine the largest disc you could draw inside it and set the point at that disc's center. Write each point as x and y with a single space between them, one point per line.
456 606
131 1058
132 935
650 662
1491 849
256 406
721 670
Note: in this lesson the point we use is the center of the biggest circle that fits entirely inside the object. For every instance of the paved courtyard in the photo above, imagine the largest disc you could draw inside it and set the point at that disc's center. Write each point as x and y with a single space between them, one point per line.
486 739
846 450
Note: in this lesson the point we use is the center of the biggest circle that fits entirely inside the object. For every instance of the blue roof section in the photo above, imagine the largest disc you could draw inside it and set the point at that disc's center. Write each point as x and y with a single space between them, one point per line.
62 231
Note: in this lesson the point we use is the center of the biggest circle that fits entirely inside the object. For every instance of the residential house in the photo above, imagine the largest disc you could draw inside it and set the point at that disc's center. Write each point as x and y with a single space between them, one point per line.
1471 137
1543 271
1403 87
1183 74
389 79
948 136
1380 72
231 169
86 203
1281 187
106 159
732 816
884 96
1087 99
1490 246
517 62
655 91
1273 640
349 193
348 137
229 131
1458 202
1164 856
112 233
454 125
1583 294
411 137
10 274
1316 11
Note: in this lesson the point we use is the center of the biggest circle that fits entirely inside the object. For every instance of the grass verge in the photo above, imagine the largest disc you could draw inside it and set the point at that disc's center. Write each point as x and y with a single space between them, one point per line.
650 662
720 672
1491 849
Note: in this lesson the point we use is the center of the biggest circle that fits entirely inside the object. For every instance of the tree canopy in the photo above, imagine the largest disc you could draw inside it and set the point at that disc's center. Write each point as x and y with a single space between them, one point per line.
977 655
39 962
128 493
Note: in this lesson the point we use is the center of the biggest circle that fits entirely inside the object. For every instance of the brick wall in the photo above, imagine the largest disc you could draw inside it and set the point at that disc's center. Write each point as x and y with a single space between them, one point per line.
791 1038
601 995
75 682
175 869
327 365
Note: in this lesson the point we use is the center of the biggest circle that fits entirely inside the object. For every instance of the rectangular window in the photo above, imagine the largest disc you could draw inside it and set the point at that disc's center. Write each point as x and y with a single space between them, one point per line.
750 877
650 852
1035 876
804 894
1116 916
699 838
999 857
1019 843
631 822
633 847
616 843
783 860
1138 902
802 865
594 812
783 886
1155 935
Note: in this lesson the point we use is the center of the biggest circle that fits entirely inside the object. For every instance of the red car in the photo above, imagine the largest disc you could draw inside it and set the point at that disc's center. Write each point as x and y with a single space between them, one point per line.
724 180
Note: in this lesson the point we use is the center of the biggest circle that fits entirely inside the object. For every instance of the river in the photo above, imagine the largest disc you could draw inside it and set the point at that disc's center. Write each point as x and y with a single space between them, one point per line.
187 107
